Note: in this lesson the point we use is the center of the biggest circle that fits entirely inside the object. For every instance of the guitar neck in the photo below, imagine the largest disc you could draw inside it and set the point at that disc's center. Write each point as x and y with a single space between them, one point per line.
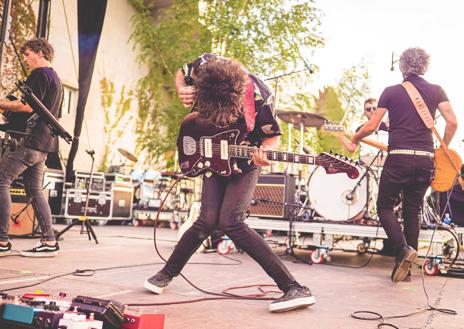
370 142
245 152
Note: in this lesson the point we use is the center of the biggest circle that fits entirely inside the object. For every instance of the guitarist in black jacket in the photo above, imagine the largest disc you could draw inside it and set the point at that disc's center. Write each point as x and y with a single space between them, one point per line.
218 86
409 167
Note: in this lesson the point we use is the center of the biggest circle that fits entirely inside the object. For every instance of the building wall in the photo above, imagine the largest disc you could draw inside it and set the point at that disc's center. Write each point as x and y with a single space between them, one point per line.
116 60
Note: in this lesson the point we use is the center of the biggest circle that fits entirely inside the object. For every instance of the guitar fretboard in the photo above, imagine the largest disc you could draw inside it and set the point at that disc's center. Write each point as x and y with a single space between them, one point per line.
245 152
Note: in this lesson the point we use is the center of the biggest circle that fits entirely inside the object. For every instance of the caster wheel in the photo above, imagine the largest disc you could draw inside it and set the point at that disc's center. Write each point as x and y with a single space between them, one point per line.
430 268
223 247
317 257
173 225
361 248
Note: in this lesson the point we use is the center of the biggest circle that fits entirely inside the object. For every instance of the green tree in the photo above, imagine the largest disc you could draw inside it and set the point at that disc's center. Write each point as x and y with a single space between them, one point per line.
22 28
117 117
266 35
329 103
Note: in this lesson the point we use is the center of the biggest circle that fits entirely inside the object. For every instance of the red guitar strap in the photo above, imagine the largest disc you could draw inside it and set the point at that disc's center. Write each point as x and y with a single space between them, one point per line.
249 105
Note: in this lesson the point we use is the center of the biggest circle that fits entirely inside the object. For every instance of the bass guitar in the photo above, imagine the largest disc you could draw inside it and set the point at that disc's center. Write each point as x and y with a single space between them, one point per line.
446 160
202 147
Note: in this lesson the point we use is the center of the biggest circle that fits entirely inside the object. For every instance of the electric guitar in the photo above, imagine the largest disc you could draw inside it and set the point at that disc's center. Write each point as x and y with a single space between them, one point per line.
446 161
203 147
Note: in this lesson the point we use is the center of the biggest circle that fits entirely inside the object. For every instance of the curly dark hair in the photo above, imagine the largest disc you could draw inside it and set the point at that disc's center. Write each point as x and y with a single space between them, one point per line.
39 44
221 86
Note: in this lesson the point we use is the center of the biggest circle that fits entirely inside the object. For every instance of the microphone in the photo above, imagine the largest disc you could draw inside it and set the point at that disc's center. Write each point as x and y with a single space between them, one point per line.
90 152
349 196
306 150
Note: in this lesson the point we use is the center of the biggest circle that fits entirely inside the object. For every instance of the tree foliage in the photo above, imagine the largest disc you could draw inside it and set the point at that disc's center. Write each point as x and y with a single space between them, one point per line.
117 117
23 26
266 35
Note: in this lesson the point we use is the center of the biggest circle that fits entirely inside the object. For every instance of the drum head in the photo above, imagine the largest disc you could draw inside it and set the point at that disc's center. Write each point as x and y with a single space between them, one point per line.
332 196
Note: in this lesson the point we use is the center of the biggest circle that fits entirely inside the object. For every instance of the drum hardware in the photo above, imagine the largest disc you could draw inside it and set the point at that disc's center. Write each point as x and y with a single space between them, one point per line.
352 197
127 156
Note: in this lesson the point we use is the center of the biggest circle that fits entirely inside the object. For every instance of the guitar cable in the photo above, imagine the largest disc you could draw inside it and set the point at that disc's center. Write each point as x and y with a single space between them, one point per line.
377 316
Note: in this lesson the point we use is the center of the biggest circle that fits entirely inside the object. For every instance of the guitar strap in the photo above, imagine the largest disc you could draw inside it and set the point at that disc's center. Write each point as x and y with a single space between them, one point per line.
249 105
419 105
426 117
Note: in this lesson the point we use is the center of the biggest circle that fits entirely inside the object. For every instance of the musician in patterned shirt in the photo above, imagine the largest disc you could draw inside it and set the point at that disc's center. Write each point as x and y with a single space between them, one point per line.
216 88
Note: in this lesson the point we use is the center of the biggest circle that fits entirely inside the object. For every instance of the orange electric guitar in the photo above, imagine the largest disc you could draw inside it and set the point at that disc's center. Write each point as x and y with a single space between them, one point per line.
447 161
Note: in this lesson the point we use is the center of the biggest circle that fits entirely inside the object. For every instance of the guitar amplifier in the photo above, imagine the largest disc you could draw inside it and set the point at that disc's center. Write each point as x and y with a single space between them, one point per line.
123 194
25 221
271 193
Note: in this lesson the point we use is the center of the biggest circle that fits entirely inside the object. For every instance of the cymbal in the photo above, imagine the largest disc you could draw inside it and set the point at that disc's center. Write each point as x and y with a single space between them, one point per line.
297 118
127 155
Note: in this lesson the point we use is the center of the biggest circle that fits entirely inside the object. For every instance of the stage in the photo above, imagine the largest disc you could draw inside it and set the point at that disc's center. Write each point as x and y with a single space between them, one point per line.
339 291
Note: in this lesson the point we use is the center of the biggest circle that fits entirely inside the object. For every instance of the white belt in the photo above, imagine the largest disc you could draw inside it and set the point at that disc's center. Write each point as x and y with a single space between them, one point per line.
412 152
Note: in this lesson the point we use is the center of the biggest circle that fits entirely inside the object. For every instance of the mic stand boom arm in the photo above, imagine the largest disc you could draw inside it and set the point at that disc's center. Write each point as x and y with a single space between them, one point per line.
43 113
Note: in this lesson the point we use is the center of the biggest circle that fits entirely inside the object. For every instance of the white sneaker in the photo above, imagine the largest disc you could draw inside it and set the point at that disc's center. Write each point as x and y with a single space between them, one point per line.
42 250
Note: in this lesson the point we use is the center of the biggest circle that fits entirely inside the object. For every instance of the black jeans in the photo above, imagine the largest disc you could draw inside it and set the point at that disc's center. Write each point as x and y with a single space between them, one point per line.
31 163
411 175
224 203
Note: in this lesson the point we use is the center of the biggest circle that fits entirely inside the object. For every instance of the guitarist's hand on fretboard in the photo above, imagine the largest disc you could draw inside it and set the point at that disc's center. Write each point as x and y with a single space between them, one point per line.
259 156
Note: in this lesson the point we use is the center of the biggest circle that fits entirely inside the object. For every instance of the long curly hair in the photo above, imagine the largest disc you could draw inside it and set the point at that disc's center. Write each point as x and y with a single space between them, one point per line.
221 86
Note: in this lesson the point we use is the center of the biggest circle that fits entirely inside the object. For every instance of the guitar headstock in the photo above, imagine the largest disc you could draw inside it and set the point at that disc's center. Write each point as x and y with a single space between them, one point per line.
337 130
335 163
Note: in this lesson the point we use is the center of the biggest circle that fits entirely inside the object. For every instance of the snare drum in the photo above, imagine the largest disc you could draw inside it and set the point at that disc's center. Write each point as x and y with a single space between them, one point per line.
334 196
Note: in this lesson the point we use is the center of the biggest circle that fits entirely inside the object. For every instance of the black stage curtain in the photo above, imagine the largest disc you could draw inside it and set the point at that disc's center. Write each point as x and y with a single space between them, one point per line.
91 14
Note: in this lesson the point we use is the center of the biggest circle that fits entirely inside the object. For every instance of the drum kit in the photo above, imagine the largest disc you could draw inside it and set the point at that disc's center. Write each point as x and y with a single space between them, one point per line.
334 197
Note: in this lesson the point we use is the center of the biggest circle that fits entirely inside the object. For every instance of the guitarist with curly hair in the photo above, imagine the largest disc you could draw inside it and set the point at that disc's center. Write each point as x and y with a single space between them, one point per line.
222 93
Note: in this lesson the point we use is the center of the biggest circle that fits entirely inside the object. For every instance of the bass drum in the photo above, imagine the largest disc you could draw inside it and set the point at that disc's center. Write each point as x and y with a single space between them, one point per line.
332 198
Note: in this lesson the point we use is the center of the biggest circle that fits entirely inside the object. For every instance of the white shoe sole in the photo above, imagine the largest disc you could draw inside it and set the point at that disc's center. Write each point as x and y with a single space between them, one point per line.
5 253
292 304
39 254
152 288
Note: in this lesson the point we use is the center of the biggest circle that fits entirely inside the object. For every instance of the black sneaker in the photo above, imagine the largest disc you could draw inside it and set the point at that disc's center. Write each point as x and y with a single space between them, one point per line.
5 250
403 264
295 298
42 250
157 282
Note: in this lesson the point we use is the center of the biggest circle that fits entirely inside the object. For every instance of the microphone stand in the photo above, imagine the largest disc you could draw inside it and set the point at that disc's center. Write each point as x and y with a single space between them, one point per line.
83 219
350 196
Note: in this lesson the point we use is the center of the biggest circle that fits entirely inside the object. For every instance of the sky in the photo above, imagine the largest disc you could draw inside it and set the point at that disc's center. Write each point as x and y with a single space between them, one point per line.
370 30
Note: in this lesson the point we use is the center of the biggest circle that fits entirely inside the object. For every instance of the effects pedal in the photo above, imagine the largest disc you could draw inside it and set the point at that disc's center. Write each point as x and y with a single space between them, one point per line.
72 320
143 321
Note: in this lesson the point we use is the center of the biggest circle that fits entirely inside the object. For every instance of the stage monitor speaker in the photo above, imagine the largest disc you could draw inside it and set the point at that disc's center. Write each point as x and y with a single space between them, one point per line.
271 193
24 224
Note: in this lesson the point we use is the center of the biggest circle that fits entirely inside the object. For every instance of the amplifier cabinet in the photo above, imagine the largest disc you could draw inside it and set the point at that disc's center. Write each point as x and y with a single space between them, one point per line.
24 224
271 193
99 206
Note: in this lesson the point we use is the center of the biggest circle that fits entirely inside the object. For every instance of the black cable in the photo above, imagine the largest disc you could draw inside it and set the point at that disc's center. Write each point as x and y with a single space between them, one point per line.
429 307
222 295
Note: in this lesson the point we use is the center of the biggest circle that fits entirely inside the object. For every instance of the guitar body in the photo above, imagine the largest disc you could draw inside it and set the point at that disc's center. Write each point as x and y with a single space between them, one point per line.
444 169
203 147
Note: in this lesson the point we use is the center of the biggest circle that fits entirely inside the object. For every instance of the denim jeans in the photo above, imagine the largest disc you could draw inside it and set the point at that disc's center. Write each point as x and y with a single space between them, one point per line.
31 163
224 203
410 175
